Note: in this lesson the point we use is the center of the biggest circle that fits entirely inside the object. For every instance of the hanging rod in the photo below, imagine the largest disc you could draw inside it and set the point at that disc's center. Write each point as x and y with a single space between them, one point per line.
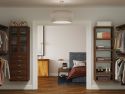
120 27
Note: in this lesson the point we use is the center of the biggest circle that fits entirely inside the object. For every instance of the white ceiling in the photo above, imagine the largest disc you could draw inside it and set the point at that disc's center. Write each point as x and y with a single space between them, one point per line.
55 3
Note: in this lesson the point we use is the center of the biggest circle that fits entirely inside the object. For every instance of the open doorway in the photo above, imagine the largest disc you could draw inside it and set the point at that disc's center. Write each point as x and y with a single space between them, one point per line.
89 58
60 43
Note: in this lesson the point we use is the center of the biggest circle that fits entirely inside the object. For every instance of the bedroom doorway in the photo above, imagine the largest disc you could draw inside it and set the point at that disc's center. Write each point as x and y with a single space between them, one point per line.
61 49
53 59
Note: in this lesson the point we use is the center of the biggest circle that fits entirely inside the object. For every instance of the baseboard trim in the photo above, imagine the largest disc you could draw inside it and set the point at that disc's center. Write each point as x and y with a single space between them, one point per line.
107 87
16 87
53 74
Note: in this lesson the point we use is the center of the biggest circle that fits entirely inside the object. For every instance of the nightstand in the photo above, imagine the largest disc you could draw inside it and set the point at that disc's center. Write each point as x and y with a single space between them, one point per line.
62 75
63 71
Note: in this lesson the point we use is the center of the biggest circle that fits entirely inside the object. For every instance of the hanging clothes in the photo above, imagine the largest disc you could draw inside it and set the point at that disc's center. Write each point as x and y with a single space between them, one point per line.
119 43
3 42
117 67
4 70
119 46
1 73
120 70
123 76
0 41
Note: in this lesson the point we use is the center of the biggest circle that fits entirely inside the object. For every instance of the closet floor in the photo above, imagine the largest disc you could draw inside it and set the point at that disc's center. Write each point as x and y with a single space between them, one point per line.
49 85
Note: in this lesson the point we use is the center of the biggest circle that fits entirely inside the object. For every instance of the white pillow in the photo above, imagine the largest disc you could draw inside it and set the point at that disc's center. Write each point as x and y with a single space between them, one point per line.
79 63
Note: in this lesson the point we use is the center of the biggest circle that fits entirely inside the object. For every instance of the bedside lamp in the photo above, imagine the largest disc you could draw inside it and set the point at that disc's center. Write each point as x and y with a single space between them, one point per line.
63 64
61 61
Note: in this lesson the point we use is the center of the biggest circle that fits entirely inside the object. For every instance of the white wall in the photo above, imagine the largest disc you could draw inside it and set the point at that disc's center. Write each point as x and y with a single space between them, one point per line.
60 40
93 14
115 14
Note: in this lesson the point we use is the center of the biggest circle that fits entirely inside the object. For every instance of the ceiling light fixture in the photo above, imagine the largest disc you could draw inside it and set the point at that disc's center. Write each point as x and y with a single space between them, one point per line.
61 16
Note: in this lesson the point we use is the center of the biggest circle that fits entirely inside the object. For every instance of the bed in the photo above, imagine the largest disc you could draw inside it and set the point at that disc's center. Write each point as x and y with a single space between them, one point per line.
79 72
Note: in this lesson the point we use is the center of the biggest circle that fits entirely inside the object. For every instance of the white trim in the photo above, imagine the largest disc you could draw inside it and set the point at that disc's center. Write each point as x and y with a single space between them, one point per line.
53 74
89 60
88 46
34 59
107 87
19 87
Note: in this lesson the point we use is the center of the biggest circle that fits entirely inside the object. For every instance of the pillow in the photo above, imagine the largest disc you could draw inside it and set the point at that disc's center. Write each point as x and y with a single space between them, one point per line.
77 63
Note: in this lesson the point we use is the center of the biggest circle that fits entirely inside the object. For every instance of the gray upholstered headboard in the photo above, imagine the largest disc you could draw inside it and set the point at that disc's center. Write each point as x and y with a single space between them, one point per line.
81 56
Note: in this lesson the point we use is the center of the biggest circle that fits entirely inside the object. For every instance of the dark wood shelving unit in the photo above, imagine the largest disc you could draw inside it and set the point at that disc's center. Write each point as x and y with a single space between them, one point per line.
19 53
103 54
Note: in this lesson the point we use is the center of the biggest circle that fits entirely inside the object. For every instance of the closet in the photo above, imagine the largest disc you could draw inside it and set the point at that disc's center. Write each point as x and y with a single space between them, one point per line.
4 66
19 53
119 47
109 54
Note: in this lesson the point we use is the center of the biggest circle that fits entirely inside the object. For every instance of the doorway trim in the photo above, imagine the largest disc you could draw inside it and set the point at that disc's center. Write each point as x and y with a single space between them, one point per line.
89 51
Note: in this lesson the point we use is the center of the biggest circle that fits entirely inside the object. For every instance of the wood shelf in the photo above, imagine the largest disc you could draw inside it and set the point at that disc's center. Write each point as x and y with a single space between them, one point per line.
103 49
110 80
102 39
103 61
103 73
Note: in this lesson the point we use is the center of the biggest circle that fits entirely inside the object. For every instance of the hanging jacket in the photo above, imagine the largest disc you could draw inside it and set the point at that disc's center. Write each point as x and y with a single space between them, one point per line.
3 42
117 68
1 73
4 70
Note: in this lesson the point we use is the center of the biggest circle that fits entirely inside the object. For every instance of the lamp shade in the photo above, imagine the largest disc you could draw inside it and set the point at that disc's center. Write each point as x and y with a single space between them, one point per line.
61 17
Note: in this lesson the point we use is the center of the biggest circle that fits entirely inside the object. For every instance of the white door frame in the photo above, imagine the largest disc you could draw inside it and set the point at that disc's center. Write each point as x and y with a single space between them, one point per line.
89 51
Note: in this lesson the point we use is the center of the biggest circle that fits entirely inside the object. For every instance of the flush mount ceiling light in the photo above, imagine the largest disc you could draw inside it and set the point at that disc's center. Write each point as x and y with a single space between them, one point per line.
61 17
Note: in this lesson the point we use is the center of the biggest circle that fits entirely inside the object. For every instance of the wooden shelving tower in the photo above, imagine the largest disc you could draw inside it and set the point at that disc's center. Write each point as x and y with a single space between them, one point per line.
103 53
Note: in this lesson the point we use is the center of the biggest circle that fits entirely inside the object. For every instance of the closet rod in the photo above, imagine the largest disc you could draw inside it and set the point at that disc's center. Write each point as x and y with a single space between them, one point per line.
120 27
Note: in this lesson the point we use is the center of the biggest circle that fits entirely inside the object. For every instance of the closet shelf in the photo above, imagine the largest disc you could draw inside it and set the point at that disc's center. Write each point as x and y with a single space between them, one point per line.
103 49
104 80
102 39
103 74
103 61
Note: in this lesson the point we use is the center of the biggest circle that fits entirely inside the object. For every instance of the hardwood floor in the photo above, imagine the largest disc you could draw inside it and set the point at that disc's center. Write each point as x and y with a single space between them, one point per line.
50 86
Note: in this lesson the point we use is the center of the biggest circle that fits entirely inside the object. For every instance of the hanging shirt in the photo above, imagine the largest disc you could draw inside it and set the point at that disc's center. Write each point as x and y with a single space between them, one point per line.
4 70
1 73
0 41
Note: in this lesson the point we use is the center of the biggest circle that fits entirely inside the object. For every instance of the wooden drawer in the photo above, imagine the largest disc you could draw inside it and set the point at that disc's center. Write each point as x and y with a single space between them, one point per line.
18 61
18 57
18 72
18 66
19 75
19 78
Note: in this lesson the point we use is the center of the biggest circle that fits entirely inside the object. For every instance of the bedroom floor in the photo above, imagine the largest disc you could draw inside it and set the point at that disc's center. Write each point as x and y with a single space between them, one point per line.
50 86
